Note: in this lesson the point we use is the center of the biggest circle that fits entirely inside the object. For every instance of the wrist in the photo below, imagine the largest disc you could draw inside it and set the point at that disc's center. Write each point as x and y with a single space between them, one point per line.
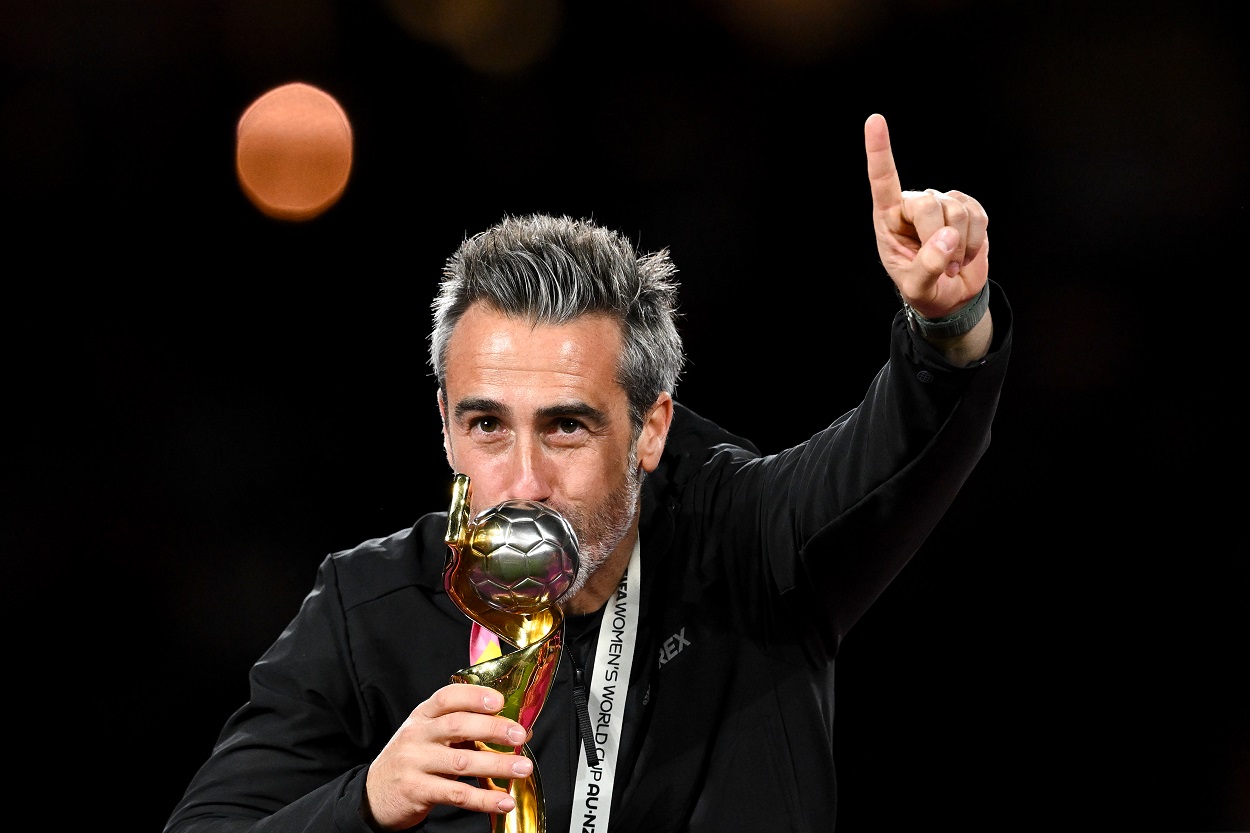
958 323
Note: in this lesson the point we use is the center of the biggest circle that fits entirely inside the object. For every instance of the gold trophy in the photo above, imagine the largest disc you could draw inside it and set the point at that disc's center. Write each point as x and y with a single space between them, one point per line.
506 567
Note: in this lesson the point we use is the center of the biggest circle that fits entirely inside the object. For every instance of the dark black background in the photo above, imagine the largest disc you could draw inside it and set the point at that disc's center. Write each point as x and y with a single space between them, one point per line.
203 402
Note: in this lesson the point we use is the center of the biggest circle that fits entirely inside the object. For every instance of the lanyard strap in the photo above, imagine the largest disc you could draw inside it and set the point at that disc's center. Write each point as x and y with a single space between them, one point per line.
609 687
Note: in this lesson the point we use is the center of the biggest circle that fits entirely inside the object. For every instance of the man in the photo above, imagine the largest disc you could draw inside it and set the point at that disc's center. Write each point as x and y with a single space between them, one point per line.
730 577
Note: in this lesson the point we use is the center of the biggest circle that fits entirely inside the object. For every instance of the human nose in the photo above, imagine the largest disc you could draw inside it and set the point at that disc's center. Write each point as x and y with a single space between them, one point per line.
530 474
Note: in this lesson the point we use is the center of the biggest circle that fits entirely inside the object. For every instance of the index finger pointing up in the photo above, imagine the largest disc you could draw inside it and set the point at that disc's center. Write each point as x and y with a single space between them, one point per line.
882 175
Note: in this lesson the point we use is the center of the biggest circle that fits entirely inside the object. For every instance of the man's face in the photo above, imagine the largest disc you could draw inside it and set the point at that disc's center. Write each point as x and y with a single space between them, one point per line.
536 413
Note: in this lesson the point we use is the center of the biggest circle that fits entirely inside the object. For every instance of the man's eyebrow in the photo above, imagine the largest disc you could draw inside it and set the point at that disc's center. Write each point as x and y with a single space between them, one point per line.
581 410
480 404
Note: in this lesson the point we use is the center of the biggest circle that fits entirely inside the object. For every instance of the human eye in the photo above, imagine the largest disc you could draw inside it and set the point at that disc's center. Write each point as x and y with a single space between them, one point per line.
569 426
484 425
567 431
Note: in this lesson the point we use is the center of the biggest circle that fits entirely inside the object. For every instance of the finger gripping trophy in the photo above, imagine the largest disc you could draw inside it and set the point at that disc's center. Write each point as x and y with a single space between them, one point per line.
506 567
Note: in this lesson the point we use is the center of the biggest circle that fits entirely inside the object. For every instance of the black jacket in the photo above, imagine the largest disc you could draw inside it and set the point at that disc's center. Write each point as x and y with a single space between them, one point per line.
754 567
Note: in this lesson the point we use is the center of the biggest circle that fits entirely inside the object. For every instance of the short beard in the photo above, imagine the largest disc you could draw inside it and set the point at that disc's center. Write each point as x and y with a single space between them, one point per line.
602 528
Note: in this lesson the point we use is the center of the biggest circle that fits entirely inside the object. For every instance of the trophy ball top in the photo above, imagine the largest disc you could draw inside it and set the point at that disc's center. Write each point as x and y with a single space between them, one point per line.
523 556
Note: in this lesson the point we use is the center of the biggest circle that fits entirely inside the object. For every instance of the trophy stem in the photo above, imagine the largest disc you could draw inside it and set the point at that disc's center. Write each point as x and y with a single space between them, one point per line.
524 678
529 815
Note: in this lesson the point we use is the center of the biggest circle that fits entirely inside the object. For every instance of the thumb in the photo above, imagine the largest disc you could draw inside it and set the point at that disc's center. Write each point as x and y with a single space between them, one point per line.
940 253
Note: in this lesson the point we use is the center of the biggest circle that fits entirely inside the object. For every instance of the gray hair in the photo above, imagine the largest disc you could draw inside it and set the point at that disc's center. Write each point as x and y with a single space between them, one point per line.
552 270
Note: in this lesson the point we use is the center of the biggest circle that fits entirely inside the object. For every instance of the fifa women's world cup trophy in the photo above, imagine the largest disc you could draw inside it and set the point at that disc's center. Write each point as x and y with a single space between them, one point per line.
506 567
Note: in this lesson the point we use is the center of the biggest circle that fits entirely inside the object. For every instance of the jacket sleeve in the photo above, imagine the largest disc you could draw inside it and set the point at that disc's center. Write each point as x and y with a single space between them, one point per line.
839 515
294 756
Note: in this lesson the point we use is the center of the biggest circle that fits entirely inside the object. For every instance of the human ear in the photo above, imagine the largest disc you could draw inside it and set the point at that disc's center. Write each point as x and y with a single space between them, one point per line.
442 413
655 432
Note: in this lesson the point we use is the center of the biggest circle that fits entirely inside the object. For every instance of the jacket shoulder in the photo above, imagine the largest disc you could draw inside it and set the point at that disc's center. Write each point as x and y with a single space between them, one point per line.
409 558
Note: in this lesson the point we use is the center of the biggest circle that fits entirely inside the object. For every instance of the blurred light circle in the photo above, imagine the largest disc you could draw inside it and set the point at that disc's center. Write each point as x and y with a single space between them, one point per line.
293 151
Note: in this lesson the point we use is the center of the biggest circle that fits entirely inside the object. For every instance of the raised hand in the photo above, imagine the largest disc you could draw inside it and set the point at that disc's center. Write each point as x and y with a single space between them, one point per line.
933 244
